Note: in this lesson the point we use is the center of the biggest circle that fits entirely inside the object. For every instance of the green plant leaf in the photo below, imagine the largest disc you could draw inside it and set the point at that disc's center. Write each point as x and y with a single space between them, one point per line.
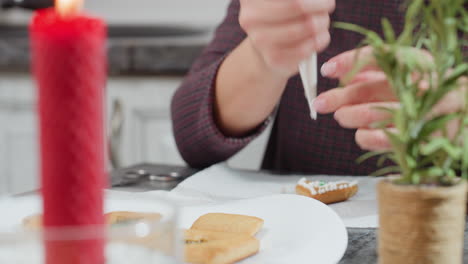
394 138
385 109
352 27
463 25
373 37
369 155
434 172
361 63
408 103
435 124
451 32
388 30
399 120
459 71
386 171
464 162
381 124
416 130
451 173
411 162
416 178
437 28
435 96
441 144
412 13
415 59
386 122
381 160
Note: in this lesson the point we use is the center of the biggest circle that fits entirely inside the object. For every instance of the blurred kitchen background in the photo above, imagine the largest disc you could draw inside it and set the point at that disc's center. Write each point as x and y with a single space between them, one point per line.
152 44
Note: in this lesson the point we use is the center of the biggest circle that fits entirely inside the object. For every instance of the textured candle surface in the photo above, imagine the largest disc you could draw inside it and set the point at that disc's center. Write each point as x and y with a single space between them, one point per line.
69 64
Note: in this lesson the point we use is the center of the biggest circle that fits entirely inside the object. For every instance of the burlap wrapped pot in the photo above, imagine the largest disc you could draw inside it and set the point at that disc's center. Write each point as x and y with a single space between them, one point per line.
421 224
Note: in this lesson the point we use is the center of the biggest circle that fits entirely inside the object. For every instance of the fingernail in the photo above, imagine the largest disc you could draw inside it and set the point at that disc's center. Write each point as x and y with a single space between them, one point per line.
320 104
335 116
328 69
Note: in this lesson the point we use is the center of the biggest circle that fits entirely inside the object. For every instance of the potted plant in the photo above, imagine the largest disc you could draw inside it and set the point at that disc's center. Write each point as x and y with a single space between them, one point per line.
422 209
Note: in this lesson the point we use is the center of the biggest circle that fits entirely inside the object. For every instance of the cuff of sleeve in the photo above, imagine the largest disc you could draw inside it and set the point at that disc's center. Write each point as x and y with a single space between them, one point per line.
211 128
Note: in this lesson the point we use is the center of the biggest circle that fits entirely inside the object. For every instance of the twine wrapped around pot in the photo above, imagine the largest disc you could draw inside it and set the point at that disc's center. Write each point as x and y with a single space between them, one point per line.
421 224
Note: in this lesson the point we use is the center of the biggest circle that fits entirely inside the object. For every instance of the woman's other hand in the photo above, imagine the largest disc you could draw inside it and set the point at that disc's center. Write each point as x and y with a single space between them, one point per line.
355 105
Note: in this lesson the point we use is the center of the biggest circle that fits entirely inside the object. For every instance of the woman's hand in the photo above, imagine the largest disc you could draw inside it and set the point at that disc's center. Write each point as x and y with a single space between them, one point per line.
284 32
355 104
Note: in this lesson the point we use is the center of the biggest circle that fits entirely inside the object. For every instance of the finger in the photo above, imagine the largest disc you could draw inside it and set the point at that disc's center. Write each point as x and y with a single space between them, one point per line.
363 115
451 102
321 41
291 33
366 76
288 58
342 64
377 90
372 139
278 11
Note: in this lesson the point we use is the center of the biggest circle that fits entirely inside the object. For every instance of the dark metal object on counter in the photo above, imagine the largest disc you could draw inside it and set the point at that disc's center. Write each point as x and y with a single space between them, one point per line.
141 175
27 4
150 177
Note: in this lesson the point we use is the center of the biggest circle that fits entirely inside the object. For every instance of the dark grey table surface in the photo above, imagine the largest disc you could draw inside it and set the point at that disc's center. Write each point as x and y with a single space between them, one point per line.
362 242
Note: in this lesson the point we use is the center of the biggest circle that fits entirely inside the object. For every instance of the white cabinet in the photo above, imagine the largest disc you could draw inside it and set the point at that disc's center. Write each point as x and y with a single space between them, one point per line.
146 134
147 129
18 171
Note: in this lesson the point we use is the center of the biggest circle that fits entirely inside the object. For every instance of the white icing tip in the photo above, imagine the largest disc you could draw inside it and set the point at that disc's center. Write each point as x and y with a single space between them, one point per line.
313 114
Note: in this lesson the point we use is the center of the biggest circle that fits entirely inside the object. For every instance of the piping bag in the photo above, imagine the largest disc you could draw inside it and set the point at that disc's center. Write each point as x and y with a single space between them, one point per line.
308 72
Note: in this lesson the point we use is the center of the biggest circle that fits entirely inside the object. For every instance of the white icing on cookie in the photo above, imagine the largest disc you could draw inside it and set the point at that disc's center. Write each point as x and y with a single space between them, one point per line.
320 187
308 185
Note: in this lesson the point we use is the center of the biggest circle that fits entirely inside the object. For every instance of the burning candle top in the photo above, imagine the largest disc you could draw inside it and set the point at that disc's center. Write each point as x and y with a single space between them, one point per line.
68 8
67 19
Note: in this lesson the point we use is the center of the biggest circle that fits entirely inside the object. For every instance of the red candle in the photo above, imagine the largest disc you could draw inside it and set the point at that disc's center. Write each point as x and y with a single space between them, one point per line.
69 64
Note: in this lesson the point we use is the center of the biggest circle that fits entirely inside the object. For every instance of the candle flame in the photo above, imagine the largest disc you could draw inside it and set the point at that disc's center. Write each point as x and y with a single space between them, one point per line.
67 8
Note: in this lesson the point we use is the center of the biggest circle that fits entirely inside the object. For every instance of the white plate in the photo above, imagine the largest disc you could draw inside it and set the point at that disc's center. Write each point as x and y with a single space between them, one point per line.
297 229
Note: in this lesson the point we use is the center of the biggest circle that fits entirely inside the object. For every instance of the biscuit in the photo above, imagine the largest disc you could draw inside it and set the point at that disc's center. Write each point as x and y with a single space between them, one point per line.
196 235
221 251
232 223
327 193
214 238
34 222
122 217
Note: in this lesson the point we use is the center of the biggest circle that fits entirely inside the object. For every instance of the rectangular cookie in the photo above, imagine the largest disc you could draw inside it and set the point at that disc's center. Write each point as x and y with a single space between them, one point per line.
232 223
34 222
122 217
196 235
224 251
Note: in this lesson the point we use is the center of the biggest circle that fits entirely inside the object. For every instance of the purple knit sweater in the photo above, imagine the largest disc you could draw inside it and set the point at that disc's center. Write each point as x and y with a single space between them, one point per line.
297 143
